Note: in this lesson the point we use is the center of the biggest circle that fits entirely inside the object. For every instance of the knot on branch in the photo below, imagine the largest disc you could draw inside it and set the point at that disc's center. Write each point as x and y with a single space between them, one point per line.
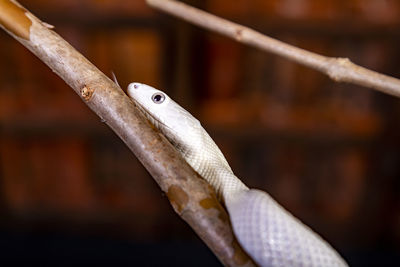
87 93
338 68
239 34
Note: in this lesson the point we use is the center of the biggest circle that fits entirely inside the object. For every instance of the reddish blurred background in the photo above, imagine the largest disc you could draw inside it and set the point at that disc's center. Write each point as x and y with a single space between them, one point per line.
71 192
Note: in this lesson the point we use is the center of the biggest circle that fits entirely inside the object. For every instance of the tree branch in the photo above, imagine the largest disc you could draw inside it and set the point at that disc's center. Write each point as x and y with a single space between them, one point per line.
338 69
192 198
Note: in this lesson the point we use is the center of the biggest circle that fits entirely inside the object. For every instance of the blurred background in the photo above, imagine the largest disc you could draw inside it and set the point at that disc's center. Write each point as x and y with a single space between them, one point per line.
71 192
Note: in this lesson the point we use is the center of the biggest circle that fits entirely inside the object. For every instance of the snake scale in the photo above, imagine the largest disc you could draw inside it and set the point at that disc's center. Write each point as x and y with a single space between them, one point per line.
268 233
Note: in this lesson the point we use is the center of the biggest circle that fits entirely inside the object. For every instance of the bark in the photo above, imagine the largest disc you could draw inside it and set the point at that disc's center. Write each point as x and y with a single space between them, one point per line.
191 197
338 69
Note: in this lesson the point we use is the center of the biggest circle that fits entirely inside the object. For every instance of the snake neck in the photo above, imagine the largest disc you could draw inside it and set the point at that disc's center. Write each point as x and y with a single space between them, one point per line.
204 156
219 175
208 161
227 184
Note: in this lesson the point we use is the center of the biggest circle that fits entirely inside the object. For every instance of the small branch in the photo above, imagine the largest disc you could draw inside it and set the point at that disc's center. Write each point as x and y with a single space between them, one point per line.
192 198
338 69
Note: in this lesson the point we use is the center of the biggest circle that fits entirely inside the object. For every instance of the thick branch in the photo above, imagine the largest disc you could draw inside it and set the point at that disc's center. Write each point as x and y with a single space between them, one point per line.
192 198
338 69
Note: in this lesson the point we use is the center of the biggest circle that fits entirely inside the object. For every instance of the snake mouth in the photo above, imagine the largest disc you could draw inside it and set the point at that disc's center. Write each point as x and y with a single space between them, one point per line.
153 119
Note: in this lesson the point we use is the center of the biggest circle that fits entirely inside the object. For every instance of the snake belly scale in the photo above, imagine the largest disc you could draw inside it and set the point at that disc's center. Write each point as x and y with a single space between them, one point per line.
268 233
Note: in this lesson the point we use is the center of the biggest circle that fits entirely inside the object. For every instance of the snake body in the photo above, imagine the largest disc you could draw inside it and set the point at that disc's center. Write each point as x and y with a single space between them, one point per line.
268 233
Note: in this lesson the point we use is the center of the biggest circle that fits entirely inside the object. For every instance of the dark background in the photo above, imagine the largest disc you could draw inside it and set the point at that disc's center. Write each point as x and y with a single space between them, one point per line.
71 192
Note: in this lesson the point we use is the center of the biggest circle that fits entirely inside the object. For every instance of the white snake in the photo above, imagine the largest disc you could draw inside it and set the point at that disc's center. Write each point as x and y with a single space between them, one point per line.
268 233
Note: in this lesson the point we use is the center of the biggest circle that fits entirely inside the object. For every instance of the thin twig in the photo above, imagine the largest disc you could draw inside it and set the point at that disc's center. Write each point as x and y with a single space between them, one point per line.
192 198
338 69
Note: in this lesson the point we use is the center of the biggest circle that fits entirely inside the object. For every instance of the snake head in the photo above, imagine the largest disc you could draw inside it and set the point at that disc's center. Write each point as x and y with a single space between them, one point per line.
148 97
152 102
166 115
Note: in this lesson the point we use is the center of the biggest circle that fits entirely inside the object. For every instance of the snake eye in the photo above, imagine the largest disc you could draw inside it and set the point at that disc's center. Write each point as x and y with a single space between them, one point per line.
158 98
